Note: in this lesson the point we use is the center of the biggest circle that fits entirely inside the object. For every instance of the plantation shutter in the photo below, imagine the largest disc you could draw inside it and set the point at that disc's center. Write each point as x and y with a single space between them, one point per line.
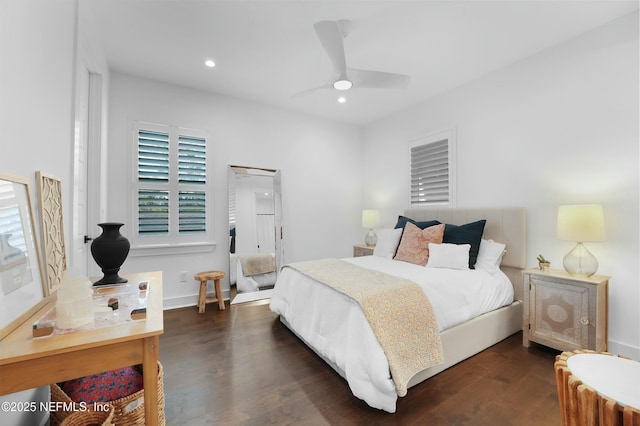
430 173
192 160
172 186
192 212
153 170
153 156
153 212
192 170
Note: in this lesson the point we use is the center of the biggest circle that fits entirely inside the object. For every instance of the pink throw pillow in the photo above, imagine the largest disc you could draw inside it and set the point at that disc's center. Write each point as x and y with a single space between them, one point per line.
414 245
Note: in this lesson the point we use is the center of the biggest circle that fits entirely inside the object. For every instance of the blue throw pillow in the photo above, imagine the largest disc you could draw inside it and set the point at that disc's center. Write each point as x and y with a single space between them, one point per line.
402 220
470 233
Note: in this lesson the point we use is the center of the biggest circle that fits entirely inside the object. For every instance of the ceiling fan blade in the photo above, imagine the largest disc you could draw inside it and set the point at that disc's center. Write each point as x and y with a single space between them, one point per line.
332 40
309 91
377 79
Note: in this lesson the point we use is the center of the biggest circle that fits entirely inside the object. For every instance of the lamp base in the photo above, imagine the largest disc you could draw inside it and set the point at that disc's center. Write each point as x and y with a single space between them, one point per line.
580 261
371 239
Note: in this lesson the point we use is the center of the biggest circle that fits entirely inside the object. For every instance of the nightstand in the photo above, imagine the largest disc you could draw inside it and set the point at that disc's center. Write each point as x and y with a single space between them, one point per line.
362 250
564 311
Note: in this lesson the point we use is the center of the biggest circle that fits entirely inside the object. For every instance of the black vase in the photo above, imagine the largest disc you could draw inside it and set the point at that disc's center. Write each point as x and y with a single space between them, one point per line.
109 251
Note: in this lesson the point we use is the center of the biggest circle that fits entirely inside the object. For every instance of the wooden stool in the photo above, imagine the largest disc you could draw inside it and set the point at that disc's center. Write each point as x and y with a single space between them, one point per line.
203 299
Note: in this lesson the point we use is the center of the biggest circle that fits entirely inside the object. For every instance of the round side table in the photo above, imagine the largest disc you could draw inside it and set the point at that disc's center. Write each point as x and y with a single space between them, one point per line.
598 389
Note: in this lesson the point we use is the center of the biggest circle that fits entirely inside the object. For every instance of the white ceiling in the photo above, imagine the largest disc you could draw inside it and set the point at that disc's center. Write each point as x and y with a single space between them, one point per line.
267 51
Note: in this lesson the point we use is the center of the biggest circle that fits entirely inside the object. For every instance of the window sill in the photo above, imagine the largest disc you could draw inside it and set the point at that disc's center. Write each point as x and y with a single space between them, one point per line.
166 249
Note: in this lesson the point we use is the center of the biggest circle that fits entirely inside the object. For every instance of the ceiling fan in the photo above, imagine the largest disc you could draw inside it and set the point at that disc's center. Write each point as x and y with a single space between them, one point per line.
332 35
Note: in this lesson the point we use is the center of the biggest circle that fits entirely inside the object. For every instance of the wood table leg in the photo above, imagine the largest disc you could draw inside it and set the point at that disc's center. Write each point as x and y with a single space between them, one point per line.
150 379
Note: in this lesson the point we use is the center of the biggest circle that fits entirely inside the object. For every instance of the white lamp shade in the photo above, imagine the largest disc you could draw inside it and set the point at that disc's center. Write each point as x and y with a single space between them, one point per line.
370 218
581 223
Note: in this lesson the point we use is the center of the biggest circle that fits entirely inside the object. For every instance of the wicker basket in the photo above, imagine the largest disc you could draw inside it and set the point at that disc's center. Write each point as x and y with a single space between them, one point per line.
90 417
128 411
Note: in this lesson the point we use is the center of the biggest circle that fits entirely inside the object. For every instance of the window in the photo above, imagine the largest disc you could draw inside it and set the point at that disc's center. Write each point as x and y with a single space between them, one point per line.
432 169
172 195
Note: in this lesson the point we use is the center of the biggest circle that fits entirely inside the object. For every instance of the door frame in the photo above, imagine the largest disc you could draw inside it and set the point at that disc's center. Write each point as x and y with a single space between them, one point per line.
95 185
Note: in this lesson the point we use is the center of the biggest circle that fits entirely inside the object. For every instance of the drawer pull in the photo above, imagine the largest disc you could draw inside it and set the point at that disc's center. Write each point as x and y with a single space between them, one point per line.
584 320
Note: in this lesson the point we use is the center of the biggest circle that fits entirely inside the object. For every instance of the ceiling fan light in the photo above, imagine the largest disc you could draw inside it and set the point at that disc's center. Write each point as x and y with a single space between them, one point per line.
342 84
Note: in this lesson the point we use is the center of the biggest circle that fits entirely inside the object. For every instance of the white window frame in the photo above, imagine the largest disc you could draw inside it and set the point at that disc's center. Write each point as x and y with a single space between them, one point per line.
450 136
173 242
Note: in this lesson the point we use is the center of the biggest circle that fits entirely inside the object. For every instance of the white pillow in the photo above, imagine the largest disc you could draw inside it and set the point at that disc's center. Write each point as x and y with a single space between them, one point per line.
388 240
451 256
490 255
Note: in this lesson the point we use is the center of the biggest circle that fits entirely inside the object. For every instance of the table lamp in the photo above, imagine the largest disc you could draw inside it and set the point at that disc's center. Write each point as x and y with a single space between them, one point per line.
580 223
370 219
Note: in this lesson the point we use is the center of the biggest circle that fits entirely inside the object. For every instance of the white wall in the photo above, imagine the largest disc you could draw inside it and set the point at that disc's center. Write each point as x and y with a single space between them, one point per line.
320 163
36 88
37 41
560 127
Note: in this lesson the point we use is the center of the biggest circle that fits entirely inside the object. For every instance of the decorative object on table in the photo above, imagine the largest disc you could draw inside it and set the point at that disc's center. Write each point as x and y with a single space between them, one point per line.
543 263
581 223
22 289
52 227
74 304
111 305
370 219
110 250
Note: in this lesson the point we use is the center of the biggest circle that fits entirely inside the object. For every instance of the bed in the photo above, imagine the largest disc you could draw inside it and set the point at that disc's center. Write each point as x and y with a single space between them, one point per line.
336 328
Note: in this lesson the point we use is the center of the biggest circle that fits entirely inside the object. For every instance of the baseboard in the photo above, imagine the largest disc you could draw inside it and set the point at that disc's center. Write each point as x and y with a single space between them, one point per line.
186 301
618 348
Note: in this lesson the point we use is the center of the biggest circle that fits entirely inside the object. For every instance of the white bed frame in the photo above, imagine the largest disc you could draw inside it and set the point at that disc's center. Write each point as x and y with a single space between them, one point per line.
505 225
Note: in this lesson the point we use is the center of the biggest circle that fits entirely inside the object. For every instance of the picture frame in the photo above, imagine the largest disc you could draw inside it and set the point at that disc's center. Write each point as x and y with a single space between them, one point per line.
22 289
52 230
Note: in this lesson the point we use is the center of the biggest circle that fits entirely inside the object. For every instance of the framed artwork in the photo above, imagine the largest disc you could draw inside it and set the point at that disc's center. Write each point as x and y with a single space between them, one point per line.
51 220
22 289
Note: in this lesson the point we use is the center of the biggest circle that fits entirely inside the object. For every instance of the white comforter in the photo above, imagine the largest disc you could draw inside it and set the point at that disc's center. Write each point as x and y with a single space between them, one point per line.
336 328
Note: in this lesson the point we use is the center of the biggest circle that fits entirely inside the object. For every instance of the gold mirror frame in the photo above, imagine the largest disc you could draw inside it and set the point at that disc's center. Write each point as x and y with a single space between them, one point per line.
22 290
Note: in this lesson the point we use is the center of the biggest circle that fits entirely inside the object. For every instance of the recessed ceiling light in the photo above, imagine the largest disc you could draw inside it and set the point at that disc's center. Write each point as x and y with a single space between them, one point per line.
210 63
342 99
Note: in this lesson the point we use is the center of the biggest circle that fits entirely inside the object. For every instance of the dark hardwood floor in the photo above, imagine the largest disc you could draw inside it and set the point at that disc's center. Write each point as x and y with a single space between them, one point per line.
241 366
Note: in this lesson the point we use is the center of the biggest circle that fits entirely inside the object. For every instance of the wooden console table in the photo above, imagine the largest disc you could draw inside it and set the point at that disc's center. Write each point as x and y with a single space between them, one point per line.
27 363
